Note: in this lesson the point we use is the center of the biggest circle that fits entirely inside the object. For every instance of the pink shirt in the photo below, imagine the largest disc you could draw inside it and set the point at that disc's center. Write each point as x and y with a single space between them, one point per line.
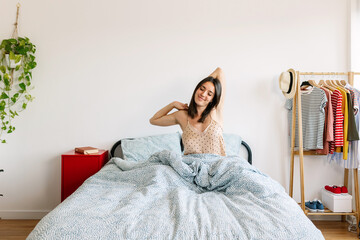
209 141
329 124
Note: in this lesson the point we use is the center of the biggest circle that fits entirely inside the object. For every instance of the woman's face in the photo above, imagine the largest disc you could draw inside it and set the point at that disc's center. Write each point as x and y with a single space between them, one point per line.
205 94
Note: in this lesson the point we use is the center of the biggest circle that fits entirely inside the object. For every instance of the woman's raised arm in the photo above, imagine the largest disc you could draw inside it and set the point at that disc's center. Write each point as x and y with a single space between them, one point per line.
162 118
219 74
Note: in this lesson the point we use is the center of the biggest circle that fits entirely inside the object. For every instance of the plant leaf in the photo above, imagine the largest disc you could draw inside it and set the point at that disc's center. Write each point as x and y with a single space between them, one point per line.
17 58
22 86
4 95
32 65
2 105
12 55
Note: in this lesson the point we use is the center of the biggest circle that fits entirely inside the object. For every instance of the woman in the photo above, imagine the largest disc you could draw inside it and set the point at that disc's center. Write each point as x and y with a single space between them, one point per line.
202 120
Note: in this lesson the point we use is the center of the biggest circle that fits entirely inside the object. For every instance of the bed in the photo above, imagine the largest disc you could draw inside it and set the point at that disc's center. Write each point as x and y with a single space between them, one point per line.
149 190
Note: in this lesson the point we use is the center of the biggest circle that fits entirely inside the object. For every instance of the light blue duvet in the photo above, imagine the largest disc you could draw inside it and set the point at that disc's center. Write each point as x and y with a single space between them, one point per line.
174 197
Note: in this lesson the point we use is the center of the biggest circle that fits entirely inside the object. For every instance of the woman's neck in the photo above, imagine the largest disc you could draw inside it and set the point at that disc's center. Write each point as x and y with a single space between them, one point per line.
200 110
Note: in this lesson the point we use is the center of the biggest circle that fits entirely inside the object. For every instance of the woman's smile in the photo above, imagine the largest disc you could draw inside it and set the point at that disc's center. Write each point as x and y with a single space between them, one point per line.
201 98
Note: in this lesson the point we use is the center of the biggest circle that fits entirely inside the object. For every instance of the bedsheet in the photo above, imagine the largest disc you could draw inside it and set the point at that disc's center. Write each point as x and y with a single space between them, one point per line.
169 196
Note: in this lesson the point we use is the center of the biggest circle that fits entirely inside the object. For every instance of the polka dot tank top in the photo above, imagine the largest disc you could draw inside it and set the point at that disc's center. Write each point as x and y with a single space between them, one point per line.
209 141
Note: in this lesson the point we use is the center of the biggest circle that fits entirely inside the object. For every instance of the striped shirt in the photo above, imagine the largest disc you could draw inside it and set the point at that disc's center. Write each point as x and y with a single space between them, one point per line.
344 110
336 101
313 118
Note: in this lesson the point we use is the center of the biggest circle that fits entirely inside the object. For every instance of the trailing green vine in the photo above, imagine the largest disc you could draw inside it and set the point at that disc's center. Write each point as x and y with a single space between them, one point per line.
17 61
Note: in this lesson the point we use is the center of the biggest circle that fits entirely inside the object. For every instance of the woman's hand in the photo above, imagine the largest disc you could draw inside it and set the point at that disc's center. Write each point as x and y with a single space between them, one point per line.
180 106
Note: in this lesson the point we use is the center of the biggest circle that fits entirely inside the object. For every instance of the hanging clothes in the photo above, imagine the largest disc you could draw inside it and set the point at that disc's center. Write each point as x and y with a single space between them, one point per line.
352 133
344 110
328 135
336 101
353 100
353 160
313 101
353 97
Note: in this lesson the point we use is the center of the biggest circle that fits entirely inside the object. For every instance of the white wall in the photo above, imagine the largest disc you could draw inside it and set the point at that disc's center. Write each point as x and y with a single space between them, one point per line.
105 67
355 36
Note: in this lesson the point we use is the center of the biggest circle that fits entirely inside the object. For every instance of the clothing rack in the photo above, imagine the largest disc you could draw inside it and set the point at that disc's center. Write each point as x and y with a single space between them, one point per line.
301 153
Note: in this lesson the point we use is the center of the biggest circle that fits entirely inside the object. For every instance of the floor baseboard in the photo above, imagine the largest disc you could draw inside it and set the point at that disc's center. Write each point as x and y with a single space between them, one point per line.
23 214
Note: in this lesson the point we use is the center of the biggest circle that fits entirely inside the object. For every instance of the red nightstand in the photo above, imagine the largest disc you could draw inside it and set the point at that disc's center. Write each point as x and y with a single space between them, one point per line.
76 168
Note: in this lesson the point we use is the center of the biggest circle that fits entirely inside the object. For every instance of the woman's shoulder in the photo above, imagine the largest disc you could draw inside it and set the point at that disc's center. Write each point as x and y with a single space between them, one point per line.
182 113
181 117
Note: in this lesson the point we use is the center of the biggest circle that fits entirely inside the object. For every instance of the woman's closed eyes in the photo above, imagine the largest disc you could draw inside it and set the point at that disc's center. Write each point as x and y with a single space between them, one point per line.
202 88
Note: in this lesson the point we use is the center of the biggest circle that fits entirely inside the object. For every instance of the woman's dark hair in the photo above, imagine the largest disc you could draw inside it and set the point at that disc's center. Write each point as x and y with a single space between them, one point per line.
192 111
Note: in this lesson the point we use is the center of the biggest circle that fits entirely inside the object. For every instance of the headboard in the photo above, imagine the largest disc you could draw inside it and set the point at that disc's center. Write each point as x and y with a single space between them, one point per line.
116 150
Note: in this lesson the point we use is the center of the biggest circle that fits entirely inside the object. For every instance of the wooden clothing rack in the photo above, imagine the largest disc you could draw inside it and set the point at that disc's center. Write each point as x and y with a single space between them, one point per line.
301 153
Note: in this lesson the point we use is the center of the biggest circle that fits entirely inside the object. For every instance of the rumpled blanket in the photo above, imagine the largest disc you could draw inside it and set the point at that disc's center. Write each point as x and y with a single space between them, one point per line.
169 196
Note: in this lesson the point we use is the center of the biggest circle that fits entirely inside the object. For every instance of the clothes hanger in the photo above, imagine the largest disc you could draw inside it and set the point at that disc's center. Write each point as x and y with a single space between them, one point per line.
339 83
330 83
336 83
306 83
313 83
343 82
322 83
305 86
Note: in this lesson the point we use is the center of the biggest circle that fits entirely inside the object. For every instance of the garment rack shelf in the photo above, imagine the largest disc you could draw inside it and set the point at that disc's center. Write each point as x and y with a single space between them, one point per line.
329 212
308 153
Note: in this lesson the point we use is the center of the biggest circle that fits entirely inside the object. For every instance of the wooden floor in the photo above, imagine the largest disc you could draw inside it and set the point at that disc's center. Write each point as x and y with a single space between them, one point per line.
16 229
335 230
20 229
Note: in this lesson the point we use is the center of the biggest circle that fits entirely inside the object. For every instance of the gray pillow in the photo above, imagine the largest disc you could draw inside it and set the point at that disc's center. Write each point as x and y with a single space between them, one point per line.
140 149
232 144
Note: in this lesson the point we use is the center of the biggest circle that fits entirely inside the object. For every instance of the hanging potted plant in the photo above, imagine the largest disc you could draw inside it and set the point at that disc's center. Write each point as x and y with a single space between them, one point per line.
17 61
11 50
